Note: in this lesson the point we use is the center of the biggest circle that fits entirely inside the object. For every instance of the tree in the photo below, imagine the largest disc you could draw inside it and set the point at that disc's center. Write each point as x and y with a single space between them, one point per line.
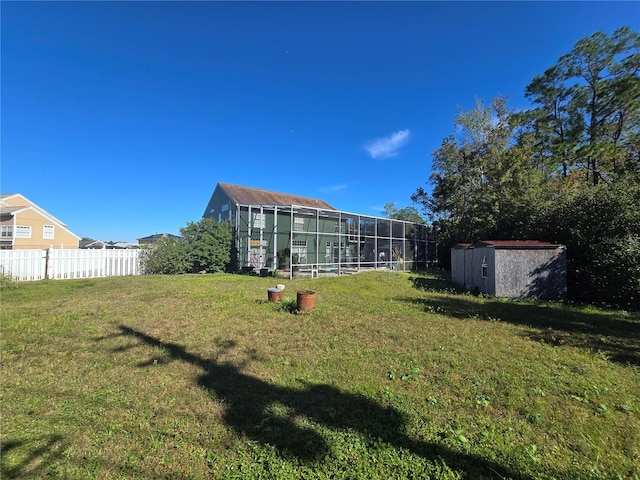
409 214
588 107
484 183
209 245
554 126
601 228
567 171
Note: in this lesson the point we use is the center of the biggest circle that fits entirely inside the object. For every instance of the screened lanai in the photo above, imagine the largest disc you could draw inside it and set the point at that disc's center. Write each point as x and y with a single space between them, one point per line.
306 241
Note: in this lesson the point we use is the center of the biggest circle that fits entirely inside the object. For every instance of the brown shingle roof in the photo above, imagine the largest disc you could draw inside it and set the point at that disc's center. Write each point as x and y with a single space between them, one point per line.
255 196
516 244
511 244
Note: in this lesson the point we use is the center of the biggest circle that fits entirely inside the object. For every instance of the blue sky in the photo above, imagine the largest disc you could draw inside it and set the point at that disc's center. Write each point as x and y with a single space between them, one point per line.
119 118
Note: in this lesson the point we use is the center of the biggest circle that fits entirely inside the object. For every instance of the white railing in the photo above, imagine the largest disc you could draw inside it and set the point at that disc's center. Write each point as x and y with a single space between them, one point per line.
25 265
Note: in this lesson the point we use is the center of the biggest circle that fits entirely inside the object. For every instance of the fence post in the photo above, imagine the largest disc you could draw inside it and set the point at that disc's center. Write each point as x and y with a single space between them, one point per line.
105 262
47 263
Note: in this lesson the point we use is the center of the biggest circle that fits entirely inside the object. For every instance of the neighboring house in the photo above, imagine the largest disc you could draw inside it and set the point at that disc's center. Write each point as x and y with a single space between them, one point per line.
151 239
91 244
96 244
511 268
24 225
275 230
122 246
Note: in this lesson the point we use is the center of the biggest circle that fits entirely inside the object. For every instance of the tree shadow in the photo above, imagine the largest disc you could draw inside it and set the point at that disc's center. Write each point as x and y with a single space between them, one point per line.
434 282
34 456
616 334
276 415
549 280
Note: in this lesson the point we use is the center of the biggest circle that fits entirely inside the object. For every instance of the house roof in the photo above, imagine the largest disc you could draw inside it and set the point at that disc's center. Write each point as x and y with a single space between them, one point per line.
508 244
6 196
157 236
91 244
10 210
528 244
255 196
123 245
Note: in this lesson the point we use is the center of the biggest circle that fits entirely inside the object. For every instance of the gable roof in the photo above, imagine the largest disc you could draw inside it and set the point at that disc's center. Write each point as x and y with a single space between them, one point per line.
30 205
157 236
91 244
256 196
6 209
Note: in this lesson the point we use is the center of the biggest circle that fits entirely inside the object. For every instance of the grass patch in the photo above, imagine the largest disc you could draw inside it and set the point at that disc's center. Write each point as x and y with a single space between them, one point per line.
390 376
6 282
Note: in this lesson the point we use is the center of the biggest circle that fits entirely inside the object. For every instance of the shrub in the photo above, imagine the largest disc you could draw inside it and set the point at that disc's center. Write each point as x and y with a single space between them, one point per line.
168 256
205 245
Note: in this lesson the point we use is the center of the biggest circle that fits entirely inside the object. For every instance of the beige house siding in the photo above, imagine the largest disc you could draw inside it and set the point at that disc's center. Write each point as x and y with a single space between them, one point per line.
41 224
16 200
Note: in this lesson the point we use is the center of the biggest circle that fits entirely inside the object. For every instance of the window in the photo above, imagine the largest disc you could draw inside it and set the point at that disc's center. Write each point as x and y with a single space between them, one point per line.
484 267
258 220
48 231
7 231
23 231
298 223
299 248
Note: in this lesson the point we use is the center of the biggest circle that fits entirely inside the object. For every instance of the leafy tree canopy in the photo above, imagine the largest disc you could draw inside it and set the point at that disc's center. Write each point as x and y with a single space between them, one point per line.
567 170
203 246
410 214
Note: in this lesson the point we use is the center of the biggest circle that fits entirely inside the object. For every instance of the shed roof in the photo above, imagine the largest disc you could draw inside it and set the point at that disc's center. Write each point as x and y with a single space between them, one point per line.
256 196
508 244
516 244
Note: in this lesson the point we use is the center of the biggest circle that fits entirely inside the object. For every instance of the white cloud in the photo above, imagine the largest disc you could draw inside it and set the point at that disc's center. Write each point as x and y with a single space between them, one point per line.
334 188
387 147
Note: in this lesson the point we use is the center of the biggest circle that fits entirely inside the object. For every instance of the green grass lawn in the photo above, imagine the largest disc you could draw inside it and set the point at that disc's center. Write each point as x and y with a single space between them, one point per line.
390 376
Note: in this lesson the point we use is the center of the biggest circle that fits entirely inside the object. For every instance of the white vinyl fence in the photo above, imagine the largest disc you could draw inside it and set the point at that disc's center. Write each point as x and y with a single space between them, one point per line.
25 265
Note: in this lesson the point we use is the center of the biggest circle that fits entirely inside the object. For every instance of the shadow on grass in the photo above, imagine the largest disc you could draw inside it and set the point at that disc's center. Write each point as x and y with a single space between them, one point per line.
269 414
32 456
615 334
434 282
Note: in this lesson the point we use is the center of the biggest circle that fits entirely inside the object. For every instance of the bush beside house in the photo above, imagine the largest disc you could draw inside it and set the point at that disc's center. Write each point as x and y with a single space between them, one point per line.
203 246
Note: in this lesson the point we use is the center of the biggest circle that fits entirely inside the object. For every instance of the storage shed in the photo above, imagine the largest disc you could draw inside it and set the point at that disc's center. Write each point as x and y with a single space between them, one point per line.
511 268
